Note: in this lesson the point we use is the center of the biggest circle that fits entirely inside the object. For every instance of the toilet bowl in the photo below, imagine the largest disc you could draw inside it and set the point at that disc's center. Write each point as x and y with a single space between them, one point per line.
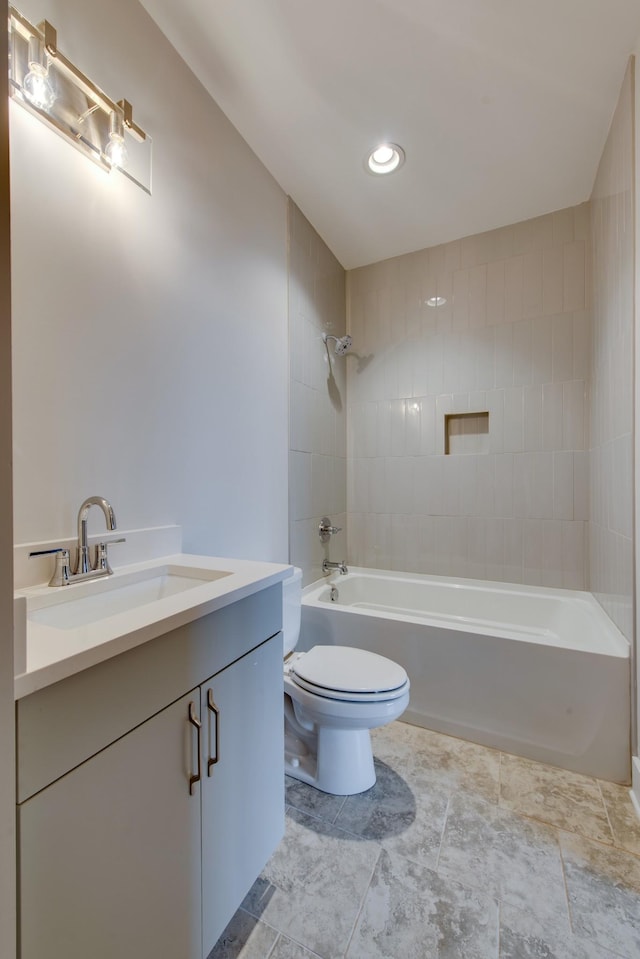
333 696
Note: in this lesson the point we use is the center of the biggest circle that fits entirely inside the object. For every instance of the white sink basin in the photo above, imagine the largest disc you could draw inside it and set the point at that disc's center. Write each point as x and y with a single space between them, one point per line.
81 604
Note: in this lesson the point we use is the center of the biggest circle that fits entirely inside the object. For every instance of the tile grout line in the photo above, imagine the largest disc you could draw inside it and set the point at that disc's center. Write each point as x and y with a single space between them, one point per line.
337 815
311 815
564 882
273 946
499 927
606 812
364 899
444 828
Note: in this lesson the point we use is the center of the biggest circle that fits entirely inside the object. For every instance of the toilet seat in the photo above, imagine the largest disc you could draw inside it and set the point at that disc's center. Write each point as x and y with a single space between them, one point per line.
348 674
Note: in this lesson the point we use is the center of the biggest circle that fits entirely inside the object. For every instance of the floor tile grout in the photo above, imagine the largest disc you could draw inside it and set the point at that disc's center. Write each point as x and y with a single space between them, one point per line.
364 898
444 829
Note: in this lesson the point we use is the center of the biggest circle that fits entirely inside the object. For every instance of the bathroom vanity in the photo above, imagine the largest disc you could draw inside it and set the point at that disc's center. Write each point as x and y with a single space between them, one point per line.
150 783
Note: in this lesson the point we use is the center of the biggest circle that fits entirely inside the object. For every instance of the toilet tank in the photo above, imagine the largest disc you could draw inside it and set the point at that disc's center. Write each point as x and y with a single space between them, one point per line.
291 609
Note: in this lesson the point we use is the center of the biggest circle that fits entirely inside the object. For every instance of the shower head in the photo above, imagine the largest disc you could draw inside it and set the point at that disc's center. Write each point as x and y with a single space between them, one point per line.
343 343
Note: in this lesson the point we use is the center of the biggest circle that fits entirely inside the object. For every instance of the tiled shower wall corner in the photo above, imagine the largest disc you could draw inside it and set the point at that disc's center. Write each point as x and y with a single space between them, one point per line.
317 399
513 339
611 512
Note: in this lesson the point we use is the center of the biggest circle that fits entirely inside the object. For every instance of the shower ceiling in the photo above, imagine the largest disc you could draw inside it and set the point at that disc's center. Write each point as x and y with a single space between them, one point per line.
502 106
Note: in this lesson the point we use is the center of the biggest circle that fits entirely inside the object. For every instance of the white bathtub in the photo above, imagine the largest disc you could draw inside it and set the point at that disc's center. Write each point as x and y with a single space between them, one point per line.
542 673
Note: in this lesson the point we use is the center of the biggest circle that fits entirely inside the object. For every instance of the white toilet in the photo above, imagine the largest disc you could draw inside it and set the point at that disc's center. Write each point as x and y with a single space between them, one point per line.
333 696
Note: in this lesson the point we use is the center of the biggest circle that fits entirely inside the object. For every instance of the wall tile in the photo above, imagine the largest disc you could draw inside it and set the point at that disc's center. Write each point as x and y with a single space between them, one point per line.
495 406
542 350
581 486
582 221
611 397
522 352
469 487
513 289
573 415
551 571
552 416
563 486
507 342
318 402
397 412
398 497
495 292
478 296
562 338
581 345
563 226
451 479
573 555
513 420
504 355
377 485
513 549
541 231
552 280
503 484
486 491
300 500
574 276
532 412
532 285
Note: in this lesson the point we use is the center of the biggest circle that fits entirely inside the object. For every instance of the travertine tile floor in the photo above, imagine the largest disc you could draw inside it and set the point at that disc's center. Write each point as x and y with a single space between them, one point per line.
457 852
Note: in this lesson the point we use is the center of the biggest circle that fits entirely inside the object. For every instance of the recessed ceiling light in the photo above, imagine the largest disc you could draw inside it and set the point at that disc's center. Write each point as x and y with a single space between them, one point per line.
386 158
436 301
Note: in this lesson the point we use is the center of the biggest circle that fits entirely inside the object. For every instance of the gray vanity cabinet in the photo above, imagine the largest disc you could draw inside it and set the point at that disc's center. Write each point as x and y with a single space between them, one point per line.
121 855
110 854
242 795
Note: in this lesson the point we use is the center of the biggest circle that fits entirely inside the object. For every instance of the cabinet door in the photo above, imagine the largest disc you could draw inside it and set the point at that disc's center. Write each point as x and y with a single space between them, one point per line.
110 857
242 783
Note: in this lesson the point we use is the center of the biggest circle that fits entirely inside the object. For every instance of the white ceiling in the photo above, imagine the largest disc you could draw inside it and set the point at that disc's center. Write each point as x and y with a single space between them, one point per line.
502 106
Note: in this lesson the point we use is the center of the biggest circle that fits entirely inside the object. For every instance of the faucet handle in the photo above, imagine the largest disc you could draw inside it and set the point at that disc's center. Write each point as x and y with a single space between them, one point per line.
102 559
325 529
62 573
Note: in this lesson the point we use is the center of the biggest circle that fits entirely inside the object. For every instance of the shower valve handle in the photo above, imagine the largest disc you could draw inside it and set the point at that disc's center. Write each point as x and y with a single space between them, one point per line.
325 529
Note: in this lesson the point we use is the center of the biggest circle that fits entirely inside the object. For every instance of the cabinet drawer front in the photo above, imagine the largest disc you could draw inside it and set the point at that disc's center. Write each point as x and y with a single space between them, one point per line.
63 725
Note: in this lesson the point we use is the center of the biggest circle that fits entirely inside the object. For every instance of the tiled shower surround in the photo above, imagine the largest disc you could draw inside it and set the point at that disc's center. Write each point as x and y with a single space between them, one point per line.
545 496
512 339
611 419
317 398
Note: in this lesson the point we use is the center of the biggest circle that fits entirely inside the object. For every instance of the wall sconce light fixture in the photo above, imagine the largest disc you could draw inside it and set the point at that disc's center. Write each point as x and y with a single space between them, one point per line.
47 84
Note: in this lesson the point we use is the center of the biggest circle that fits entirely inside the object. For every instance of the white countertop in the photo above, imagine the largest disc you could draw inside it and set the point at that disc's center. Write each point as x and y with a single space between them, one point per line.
53 654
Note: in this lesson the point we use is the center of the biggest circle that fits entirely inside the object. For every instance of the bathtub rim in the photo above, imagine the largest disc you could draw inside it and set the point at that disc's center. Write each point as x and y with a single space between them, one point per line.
615 644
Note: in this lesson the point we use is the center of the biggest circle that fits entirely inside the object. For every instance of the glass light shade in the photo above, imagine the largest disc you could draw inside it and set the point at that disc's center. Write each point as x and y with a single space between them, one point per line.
37 85
38 89
115 150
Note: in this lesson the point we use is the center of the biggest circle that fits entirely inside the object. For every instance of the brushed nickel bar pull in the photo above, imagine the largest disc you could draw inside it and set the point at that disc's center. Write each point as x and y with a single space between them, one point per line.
214 709
193 719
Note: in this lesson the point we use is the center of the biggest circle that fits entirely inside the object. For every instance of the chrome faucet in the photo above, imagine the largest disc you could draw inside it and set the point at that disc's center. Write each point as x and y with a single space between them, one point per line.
83 565
63 574
328 566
